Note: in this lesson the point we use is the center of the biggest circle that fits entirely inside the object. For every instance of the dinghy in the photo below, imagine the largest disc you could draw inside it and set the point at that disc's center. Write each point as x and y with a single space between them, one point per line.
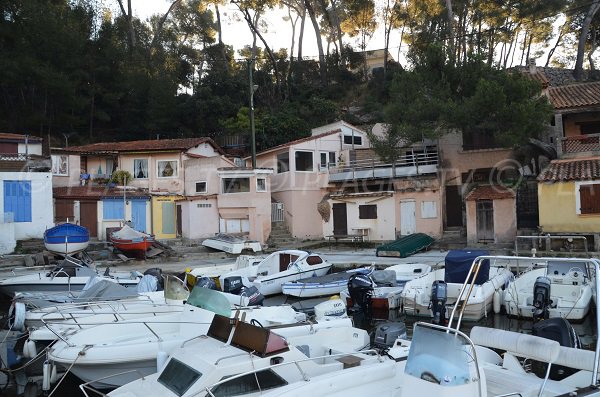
66 239
130 240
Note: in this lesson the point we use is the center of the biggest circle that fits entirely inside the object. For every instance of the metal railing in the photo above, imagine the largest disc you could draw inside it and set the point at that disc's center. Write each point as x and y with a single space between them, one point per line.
547 239
581 143
277 212
410 159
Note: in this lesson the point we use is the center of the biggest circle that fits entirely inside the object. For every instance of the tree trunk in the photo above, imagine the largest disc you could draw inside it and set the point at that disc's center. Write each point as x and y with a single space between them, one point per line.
594 45
220 35
129 18
558 40
301 34
322 63
585 29
161 22
451 37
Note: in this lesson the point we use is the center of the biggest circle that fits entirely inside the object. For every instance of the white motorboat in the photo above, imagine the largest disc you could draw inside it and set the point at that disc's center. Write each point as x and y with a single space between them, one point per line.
228 351
552 288
231 244
70 275
216 270
134 345
491 278
280 267
329 284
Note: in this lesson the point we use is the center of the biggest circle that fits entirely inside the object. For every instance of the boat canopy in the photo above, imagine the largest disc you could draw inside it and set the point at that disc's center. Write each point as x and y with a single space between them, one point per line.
458 263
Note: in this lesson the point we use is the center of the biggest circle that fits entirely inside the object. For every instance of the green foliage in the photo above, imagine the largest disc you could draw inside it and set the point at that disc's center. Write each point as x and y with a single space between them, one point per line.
121 177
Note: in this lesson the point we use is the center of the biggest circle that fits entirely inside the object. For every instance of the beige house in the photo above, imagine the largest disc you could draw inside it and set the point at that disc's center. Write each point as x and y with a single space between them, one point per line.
179 188
332 183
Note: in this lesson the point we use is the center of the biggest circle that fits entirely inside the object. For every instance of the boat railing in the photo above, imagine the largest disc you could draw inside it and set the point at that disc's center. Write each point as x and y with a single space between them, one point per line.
547 239
30 269
459 306
85 387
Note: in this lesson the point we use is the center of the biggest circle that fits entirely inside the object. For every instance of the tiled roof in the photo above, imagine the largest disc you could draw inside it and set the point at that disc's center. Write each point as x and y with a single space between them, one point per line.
571 170
489 192
575 95
301 140
145 145
18 137
93 192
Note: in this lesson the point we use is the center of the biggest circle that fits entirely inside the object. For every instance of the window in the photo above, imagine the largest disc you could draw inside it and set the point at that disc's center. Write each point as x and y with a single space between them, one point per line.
111 166
246 384
17 200
201 187
204 205
589 198
140 168
304 161
355 140
589 127
166 168
178 377
283 162
113 209
327 159
261 185
236 185
60 164
367 211
428 209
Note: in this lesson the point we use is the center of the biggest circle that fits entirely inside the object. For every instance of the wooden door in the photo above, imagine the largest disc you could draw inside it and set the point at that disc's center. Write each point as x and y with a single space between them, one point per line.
454 215
63 211
88 216
179 221
408 217
485 220
340 219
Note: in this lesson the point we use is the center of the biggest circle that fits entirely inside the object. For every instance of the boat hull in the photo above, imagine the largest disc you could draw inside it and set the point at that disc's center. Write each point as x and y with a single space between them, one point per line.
271 285
66 249
132 246
66 239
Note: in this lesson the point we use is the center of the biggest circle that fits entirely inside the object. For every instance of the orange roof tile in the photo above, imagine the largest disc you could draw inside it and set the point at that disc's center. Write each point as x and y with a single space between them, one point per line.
571 170
18 137
180 144
489 192
575 95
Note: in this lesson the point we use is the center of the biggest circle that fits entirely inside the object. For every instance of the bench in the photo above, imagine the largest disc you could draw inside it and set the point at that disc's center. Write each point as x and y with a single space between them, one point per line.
346 237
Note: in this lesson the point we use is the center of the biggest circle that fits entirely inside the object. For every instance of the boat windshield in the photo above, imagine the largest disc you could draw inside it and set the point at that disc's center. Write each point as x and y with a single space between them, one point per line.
563 268
210 300
442 357
175 288
178 377
249 383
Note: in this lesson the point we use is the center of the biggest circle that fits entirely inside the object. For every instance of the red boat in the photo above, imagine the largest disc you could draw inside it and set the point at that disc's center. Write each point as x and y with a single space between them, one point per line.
128 239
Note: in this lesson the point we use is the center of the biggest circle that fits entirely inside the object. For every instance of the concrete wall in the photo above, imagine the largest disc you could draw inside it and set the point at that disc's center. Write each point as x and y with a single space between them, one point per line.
430 226
505 221
32 148
199 221
42 214
204 149
203 170
559 209
8 242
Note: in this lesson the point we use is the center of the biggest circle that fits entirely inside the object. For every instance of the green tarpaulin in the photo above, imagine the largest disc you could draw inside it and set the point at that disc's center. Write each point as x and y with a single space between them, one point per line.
405 246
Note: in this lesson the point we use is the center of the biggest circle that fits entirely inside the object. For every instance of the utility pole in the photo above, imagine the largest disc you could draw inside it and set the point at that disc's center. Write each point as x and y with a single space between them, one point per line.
252 89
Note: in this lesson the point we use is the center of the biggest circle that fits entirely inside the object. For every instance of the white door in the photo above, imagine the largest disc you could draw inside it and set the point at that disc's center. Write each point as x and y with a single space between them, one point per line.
408 218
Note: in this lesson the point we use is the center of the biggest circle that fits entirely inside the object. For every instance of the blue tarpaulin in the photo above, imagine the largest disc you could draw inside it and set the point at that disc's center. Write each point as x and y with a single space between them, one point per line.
458 263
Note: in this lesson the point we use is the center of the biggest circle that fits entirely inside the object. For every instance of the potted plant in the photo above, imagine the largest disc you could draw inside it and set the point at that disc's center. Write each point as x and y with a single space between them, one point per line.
121 177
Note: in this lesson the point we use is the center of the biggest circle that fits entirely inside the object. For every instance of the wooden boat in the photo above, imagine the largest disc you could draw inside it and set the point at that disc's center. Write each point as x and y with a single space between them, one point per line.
66 239
128 239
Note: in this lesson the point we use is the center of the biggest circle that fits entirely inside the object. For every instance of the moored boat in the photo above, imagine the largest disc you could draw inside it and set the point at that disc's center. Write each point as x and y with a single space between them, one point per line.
66 239
329 284
231 244
128 239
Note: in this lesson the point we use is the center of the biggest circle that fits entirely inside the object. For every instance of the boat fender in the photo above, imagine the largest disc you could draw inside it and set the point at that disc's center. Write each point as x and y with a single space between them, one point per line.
16 315
29 349
46 376
31 390
161 360
53 374
497 301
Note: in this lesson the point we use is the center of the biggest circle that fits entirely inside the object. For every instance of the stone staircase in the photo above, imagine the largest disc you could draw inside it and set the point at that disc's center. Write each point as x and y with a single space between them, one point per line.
280 235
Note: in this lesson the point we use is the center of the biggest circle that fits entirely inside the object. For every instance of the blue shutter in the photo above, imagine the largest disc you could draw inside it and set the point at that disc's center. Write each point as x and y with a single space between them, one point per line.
113 209
17 200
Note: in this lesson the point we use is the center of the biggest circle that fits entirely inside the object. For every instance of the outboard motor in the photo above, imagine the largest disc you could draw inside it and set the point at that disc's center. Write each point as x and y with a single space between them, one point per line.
256 298
560 330
156 272
233 285
205 282
437 304
541 298
360 288
387 333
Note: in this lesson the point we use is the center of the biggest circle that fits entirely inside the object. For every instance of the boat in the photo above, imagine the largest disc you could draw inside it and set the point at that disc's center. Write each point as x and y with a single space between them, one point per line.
216 270
417 294
405 246
551 288
130 240
231 244
66 239
329 284
279 267
68 275
131 348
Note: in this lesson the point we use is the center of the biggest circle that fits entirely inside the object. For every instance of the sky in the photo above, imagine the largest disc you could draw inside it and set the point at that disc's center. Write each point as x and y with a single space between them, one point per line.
237 33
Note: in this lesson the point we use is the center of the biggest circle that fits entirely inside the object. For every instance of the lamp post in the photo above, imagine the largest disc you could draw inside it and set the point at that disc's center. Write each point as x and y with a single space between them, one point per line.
253 88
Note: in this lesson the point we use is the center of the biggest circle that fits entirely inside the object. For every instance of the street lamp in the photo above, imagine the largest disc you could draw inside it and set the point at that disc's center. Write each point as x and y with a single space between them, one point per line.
253 88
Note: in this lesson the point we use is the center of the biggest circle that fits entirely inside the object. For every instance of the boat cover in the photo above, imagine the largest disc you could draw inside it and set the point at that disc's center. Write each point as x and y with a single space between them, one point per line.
128 233
405 246
103 290
458 263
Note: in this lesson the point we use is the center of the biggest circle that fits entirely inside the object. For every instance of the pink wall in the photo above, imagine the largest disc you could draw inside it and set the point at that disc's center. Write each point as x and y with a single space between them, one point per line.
505 221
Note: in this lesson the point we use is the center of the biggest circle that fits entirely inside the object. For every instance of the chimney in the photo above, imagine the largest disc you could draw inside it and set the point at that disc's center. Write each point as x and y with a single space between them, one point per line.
531 64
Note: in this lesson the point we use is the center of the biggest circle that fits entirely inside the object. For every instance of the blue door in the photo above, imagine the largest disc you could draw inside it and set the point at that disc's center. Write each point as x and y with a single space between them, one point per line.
17 200
138 215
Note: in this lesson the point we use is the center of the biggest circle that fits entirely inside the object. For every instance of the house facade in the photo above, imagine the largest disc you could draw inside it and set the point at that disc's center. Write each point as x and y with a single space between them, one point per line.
25 190
172 192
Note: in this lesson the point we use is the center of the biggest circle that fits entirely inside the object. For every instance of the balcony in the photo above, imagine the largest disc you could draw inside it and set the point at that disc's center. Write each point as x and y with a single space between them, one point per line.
410 164
21 162
581 143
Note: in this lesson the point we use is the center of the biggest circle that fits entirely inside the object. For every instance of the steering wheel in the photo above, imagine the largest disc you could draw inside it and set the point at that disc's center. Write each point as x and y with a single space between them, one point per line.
429 377
256 322
574 272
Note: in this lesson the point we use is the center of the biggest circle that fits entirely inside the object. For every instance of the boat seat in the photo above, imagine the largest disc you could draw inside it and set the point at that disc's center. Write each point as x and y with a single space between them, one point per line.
502 381
521 345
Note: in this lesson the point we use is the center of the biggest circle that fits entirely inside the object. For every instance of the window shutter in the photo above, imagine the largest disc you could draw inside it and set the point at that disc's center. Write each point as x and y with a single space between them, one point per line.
589 196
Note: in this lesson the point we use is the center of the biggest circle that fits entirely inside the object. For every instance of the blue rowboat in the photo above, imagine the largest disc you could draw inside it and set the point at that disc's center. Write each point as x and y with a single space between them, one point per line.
66 239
